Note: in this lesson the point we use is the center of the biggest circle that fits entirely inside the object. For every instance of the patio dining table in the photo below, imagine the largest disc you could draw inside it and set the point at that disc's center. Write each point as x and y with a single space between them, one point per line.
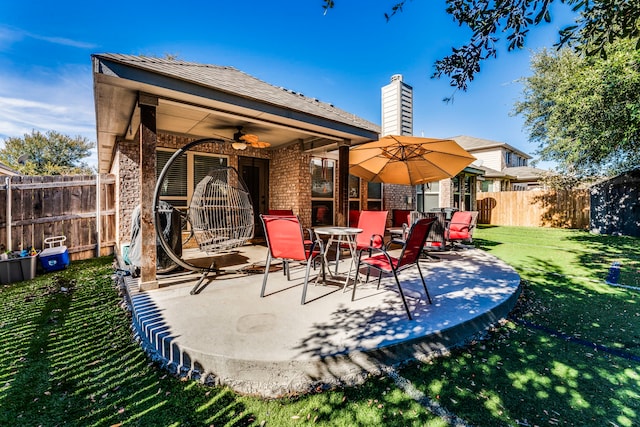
338 235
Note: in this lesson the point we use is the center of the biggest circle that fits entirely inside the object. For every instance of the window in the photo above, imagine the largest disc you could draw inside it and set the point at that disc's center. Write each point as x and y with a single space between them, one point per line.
202 164
462 191
354 187
322 172
185 173
469 182
374 200
322 212
322 190
174 187
428 196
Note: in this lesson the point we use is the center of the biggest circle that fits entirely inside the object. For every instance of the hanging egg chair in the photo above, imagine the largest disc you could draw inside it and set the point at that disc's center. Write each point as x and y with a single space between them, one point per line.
220 212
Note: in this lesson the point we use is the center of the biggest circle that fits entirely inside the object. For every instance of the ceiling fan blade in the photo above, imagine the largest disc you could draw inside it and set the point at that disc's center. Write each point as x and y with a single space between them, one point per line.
249 138
260 144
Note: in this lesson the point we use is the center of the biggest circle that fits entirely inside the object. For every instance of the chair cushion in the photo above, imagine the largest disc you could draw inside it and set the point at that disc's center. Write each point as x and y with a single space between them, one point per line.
460 221
459 235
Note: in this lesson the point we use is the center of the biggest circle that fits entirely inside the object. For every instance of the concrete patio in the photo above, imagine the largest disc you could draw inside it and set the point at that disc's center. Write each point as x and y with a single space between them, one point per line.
274 346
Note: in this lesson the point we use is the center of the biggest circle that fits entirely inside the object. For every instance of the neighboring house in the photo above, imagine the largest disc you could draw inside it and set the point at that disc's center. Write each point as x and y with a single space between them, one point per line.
7 171
505 168
458 192
147 108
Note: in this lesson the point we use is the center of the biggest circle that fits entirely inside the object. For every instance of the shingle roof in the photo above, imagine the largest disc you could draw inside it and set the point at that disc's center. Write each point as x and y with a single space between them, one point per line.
526 172
471 143
234 81
492 173
6 170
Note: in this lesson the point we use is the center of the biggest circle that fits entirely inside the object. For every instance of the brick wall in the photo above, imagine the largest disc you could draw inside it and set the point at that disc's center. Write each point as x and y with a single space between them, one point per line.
290 182
395 197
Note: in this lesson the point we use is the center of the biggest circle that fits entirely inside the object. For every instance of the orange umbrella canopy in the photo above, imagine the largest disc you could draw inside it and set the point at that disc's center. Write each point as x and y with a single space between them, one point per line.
408 160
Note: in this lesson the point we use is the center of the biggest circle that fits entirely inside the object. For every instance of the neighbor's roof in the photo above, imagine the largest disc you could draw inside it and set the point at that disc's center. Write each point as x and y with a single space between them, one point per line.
492 173
6 170
236 82
526 173
472 144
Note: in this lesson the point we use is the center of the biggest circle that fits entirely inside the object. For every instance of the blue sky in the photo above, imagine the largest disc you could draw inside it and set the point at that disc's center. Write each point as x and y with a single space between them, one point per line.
343 57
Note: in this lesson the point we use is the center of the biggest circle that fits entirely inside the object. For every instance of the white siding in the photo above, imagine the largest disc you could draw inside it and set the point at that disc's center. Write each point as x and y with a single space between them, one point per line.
397 108
491 159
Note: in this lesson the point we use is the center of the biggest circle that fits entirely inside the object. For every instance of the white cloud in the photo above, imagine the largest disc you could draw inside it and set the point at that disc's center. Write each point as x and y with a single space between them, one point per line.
64 41
9 35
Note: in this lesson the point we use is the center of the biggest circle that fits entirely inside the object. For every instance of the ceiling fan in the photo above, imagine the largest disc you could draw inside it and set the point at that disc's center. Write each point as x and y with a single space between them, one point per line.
241 140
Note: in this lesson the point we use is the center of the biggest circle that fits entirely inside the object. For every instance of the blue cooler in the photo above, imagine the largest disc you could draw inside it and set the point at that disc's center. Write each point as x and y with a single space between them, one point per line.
56 256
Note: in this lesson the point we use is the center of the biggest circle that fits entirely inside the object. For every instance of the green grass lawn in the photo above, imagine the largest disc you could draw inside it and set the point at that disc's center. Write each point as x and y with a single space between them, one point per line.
568 355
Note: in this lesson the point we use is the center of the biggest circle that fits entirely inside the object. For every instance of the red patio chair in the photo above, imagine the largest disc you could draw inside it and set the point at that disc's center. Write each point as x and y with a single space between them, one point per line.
461 227
410 255
307 241
400 217
285 241
373 224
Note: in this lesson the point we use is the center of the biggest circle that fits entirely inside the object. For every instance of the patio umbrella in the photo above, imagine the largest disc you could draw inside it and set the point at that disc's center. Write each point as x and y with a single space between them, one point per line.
408 160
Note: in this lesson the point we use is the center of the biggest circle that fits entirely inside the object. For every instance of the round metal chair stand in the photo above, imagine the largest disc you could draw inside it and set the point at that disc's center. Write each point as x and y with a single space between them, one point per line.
220 212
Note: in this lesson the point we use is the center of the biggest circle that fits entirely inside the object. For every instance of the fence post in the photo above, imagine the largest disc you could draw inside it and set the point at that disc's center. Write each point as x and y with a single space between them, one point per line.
8 215
98 216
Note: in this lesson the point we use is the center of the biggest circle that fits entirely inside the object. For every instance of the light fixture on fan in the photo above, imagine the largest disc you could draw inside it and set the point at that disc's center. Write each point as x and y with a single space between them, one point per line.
241 140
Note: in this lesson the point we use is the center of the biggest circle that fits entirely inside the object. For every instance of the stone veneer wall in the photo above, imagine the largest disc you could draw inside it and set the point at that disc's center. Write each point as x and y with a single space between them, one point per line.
128 185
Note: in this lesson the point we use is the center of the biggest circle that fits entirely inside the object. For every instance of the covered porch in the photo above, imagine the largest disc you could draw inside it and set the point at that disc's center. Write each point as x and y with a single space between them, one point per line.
147 108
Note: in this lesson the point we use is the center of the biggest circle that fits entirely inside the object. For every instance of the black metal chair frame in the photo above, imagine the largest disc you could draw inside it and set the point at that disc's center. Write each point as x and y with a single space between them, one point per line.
409 256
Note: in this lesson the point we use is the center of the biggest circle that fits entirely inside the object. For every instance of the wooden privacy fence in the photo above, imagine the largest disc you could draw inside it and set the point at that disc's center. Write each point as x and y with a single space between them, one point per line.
80 207
549 208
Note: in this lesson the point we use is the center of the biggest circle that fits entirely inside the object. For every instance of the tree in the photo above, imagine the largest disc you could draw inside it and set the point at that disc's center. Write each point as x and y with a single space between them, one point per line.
598 23
51 153
584 112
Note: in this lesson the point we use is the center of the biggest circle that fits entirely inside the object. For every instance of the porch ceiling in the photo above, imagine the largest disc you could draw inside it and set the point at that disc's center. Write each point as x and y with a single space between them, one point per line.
186 106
